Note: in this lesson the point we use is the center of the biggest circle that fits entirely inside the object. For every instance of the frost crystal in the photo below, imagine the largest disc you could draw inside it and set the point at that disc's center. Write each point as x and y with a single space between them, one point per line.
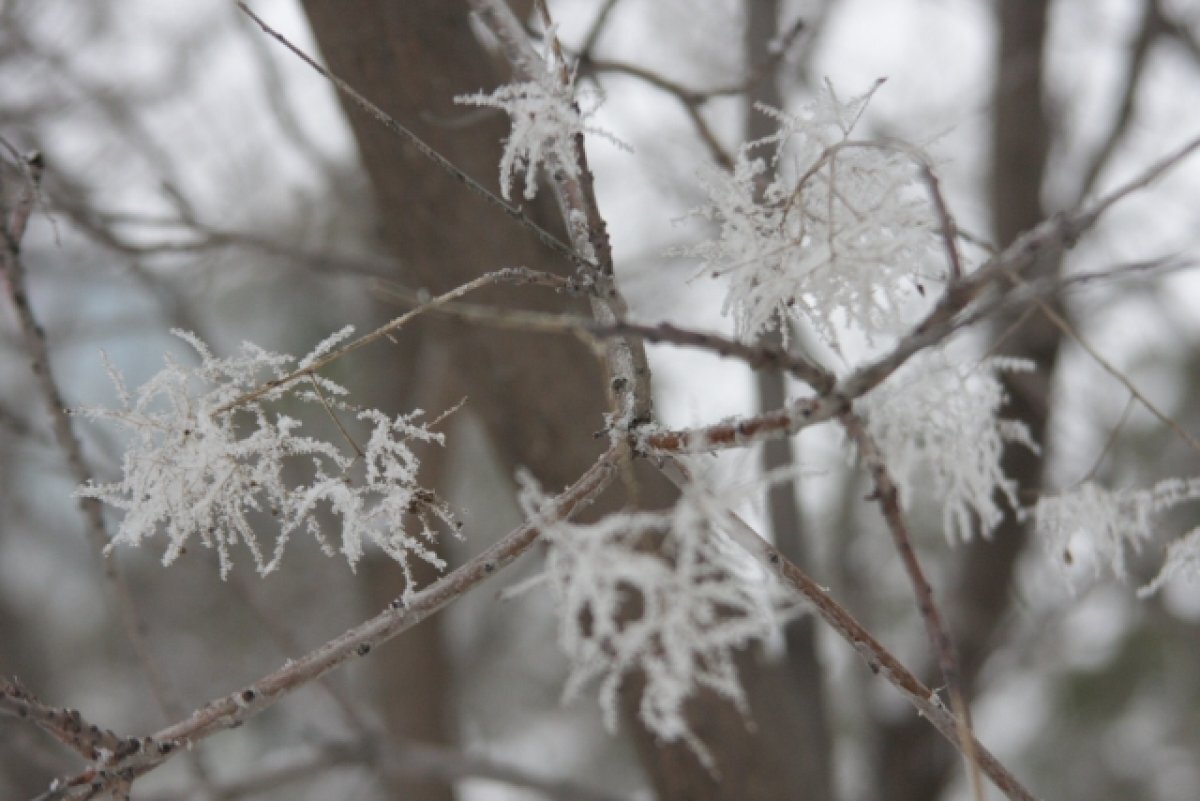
936 421
1105 523
546 116
676 612
842 232
202 465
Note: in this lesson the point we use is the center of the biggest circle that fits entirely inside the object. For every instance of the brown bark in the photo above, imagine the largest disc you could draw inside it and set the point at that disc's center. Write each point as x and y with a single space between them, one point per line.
539 397
914 765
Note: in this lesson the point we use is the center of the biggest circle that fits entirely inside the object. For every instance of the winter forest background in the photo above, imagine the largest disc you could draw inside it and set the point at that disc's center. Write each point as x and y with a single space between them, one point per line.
195 175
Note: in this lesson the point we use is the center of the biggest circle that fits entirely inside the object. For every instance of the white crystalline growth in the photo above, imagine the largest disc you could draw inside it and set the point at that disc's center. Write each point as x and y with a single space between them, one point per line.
676 613
1102 526
937 421
547 116
209 461
825 229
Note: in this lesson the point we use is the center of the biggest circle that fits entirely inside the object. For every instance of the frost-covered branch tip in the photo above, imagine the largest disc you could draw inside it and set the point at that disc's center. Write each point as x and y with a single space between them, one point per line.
547 114
198 469
1099 527
676 613
937 421
829 231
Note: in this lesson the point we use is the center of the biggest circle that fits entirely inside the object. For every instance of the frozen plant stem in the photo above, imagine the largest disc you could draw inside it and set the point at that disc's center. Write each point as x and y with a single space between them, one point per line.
629 372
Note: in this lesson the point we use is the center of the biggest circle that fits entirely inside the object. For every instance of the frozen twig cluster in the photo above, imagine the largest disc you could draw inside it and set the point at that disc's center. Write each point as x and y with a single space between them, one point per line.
812 226
827 230
199 468
1100 527
665 595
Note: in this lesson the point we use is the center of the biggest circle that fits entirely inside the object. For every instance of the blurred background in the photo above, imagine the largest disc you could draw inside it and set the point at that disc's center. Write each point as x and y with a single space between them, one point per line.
200 177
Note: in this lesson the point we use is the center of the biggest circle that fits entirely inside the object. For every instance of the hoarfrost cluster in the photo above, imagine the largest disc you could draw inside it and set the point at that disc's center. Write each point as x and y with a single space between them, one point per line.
664 594
827 230
209 461
937 421
1102 526
547 116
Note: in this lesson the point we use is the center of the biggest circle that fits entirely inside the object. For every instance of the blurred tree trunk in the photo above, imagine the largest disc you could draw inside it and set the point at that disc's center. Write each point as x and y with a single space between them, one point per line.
801 699
539 397
915 764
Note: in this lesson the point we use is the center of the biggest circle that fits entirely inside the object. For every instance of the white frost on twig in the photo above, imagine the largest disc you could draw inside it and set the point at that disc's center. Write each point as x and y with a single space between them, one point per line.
202 467
664 594
547 115
937 421
1101 526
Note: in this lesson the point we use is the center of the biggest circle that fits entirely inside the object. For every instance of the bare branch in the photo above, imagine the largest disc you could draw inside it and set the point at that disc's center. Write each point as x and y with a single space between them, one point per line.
888 496
878 658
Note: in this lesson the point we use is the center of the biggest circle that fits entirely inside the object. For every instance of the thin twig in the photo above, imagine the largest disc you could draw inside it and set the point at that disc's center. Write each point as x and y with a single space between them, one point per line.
507 275
888 496
65 725
757 357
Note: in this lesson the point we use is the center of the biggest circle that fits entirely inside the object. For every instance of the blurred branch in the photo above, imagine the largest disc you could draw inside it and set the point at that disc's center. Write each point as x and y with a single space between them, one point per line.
879 659
14 225
1151 26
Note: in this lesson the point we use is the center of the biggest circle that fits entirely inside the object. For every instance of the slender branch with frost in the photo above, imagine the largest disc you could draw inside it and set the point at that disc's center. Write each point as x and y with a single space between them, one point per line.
887 494
572 179
402 614
877 657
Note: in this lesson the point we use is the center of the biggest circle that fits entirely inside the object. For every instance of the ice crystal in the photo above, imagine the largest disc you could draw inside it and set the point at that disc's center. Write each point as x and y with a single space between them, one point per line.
209 461
1102 525
937 422
547 117
829 231
665 594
